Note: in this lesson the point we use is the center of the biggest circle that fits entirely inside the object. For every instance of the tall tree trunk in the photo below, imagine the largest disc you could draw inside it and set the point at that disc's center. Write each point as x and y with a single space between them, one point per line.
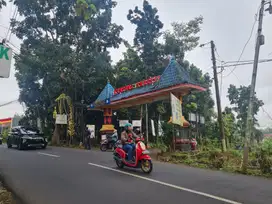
228 142
56 135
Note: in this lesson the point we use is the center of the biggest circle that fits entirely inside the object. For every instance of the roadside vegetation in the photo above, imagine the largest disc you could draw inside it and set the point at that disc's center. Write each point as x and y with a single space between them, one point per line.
209 155
6 196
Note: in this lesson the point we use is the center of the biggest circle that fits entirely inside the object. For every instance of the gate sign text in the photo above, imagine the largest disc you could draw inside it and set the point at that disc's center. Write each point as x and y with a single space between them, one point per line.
146 82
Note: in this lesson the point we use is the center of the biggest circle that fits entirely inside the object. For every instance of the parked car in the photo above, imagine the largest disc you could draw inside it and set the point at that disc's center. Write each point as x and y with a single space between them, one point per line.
24 138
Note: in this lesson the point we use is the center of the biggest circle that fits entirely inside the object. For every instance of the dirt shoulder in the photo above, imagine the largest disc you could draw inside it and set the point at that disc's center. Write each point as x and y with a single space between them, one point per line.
7 196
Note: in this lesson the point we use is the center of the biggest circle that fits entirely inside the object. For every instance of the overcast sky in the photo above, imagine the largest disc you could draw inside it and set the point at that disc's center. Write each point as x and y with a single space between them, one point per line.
228 23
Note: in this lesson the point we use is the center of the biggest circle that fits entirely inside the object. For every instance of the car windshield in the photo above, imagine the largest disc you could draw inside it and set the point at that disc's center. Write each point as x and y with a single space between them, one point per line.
28 131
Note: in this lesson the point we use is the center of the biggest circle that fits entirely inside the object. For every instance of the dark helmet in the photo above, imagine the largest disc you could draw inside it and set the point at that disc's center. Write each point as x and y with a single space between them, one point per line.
137 131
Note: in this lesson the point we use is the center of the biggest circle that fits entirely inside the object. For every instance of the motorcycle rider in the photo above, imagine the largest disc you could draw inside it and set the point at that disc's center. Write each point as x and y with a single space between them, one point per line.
127 138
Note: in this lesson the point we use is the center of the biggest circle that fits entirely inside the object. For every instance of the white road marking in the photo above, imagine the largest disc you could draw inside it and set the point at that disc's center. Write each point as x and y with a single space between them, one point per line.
167 184
50 155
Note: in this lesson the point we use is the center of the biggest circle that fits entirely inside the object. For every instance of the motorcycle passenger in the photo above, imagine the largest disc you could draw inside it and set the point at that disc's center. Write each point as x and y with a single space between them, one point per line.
138 132
113 138
127 138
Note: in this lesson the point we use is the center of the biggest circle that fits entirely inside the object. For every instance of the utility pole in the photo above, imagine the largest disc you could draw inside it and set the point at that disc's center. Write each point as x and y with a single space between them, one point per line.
219 110
249 123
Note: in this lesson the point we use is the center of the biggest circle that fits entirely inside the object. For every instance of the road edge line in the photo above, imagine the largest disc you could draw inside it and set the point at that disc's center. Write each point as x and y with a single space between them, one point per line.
166 184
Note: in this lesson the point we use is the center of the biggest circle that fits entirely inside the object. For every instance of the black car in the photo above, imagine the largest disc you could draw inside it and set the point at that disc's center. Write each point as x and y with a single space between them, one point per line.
1 139
25 138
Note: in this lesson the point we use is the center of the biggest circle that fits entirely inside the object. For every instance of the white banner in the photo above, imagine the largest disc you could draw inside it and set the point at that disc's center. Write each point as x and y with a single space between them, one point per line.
160 131
153 128
61 119
103 137
176 110
202 120
5 61
137 123
123 122
192 117
91 128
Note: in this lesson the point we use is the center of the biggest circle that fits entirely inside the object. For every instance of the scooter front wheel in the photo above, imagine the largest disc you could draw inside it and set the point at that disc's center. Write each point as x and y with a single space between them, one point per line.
119 164
103 147
146 166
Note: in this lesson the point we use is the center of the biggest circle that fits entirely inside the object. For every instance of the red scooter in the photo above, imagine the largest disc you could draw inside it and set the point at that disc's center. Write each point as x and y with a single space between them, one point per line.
141 157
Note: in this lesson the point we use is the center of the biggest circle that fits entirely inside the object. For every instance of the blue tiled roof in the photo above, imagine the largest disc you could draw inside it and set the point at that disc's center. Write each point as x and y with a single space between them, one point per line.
133 92
105 94
174 74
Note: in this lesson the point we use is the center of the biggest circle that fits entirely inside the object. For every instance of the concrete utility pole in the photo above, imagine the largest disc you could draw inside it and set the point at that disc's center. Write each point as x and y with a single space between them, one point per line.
250 116
218 101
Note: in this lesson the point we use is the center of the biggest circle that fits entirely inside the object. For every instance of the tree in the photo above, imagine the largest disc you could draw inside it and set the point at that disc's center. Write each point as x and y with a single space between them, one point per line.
2 4
194 102
127 72
86 9
183 38
229 125
148 26
63 52
239 99
127 69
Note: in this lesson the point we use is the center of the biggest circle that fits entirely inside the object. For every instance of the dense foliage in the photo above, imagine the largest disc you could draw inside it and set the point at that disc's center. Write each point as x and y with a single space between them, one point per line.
62 52
2 4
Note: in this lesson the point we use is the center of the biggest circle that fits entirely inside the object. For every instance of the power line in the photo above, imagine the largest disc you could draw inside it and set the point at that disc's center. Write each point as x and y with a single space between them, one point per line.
8 103
269 116
14 16
246 63
251 33
4 26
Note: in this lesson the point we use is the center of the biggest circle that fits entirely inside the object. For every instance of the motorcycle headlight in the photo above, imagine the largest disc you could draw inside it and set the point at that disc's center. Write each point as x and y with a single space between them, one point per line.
145 152
142 145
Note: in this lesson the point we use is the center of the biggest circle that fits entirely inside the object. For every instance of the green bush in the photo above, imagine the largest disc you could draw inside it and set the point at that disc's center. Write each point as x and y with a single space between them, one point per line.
159 145
217 159
235 153
167 134
267 146
264 156
180 156
5 134
210 144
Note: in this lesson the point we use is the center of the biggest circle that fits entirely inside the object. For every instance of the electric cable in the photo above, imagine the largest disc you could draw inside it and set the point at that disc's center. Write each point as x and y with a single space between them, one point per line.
243 50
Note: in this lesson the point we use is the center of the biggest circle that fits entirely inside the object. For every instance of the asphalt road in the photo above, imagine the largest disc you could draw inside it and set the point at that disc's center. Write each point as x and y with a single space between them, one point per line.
70 176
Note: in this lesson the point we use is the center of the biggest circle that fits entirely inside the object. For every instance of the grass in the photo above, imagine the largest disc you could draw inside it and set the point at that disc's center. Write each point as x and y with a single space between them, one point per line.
229 161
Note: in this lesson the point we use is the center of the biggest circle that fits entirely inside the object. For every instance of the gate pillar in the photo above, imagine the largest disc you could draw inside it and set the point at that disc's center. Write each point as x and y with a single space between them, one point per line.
107 126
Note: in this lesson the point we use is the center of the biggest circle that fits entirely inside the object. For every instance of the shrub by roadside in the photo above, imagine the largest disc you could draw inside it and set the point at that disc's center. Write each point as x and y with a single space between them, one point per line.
260 159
